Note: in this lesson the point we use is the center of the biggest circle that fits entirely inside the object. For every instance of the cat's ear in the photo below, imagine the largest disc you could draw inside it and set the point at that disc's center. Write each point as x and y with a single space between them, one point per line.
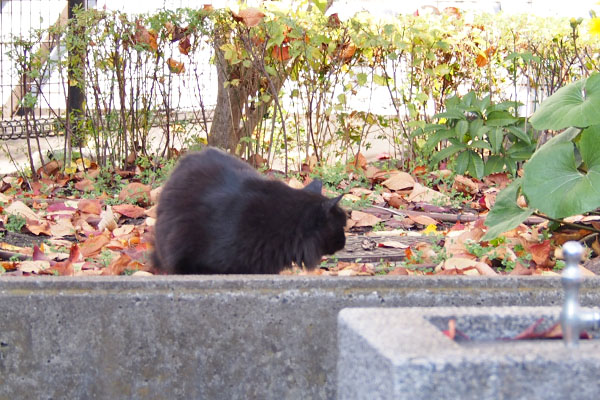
315 186
330 203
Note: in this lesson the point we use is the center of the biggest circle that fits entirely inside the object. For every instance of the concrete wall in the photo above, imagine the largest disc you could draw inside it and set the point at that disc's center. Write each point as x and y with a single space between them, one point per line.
263 337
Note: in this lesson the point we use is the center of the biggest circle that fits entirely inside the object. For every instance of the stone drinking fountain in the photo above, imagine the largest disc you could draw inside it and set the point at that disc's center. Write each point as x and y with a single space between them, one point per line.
405 353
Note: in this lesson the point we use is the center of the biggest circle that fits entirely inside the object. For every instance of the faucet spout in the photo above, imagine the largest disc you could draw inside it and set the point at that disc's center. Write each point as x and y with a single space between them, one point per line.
573 318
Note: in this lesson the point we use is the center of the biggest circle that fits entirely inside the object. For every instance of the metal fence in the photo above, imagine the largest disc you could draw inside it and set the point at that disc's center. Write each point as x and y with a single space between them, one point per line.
18 19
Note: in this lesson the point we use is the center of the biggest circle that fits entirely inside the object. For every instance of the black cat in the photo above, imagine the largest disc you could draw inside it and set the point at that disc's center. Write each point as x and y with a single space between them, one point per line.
217 215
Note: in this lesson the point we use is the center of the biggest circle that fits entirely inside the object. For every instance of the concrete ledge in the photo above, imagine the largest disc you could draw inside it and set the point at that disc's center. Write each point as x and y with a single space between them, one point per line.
209 337
401 353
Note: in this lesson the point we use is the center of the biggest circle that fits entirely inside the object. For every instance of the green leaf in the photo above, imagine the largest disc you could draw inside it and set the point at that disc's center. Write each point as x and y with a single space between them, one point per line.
577 104
493 165
554 185
520 133
446 152
437 137
461 128
500 118
476 165
480 144
361 78
495 137
462 162
506 214
321 5
450 114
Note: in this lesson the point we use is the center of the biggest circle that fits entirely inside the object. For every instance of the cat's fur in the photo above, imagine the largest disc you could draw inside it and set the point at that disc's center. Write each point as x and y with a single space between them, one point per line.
217 215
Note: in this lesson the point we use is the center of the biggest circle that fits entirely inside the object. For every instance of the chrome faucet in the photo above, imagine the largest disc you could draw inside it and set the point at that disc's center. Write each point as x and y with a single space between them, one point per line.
573 318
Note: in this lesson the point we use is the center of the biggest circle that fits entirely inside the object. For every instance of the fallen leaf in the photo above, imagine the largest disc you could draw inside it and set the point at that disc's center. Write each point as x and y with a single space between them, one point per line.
399 181
21 209
34 267
123 230
393 244
137 193
85 185
427 195
38 227
129 210
94 244
364 219
398 271
423 220
62 227
465 185
90 206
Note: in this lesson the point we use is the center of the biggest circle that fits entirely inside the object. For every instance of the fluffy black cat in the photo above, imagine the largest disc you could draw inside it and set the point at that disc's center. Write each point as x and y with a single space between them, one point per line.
217 215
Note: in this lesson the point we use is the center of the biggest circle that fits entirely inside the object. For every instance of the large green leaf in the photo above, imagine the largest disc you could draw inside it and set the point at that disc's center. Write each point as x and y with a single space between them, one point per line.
552 182
506 214
577 104
447 152
500 118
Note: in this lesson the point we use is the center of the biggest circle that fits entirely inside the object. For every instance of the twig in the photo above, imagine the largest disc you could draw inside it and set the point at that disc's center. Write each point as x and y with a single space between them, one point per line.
450 217
569 224
7 255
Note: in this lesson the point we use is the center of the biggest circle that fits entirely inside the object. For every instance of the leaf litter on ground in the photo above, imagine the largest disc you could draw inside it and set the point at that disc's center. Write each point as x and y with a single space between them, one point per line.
81 227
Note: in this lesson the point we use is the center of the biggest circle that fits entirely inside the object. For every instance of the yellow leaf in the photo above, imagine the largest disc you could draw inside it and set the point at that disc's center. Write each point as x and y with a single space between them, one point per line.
431 229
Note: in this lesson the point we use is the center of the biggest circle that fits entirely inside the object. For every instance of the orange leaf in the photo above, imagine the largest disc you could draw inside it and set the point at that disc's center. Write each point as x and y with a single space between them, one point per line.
175 66
136 191
364 219
145 36
347 52
249 16
90 206
85 185
129 210
481 60
184 45
399 181
541 252
94 244
281 53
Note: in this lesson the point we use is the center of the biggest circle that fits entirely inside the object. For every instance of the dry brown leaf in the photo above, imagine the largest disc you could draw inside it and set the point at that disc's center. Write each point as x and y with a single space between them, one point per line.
398 271
176 67
249 16
364 219
424 194
142 273
37 227
184 45
393 244
123 230
21 209
33 267
399 181
85 185
94 244
90 206
129 210
423 220
465 185
137 193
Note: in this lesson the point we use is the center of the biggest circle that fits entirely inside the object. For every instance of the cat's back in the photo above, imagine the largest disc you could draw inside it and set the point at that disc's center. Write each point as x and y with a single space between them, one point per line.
200 170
